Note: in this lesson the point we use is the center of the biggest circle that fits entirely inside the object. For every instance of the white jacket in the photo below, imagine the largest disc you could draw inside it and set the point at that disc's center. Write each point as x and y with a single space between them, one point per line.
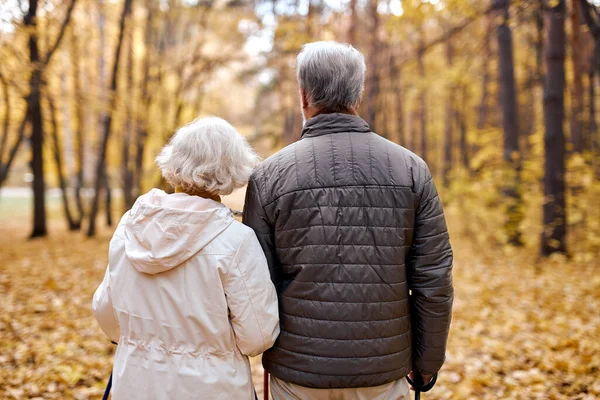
187 295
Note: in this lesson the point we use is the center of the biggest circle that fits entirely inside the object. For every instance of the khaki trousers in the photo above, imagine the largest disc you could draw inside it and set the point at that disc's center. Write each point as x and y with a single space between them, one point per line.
282 390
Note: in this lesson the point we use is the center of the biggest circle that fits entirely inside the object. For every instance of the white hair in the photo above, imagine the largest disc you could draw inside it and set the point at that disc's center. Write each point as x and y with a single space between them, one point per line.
207 154
332 75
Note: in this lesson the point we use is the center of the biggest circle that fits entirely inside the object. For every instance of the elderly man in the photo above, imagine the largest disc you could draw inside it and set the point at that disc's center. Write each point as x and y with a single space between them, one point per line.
357 246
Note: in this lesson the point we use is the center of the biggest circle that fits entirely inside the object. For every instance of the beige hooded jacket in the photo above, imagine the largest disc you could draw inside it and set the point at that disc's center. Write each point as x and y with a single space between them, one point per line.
187 296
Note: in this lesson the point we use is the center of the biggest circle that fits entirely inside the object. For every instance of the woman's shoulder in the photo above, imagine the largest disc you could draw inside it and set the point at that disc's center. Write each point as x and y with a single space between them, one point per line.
231 239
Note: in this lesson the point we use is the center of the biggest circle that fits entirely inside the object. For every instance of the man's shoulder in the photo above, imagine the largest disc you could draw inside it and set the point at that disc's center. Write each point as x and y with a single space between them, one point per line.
286 155
413 162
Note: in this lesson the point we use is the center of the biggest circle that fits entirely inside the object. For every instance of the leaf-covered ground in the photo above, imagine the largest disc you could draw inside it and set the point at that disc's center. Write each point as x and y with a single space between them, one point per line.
522 328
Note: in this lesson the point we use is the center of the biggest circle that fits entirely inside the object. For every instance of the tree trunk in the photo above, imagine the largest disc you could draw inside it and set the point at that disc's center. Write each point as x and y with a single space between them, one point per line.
37 129
462 126
7 111
593 128
101 175
70 175
312 19
412 129
373 73
60 173
80 120
102 103
142 126
5 167
353 23
539 48
33 115
508 103
483 110
422 100
67 119
127 169
107 198
576 120
396 76
450 117
555 224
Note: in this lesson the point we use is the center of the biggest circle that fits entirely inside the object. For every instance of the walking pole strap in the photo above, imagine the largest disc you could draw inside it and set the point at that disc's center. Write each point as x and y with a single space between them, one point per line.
417 384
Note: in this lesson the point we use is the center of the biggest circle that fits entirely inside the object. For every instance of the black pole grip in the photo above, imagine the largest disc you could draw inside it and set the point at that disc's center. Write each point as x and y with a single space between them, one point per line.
418 385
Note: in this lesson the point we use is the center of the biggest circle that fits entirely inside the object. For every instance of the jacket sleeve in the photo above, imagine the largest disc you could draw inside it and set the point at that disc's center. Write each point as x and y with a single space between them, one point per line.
252 299
256 218
430 280
103 309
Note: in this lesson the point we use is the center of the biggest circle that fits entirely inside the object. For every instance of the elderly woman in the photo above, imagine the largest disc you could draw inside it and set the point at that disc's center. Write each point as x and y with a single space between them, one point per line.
187 293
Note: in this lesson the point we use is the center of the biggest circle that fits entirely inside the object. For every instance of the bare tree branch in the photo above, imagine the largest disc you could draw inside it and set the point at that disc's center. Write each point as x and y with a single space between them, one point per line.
61 33
6 124
448 34
4 168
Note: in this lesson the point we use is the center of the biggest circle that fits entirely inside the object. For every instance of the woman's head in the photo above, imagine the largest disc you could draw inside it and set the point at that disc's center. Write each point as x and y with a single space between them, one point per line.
208 155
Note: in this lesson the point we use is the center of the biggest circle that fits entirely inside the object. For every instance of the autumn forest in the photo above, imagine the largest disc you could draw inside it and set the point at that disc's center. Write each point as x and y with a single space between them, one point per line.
499 97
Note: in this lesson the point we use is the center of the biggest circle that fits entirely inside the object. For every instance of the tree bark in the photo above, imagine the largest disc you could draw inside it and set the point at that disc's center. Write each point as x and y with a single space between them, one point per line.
101 176
353 23
373 73
555 224
422 97
37 132
5 167
396 76
80 121
539 48
60 173
450 117
593 127
34 112
7 111
483 109
510 122
576 120
127 169
142 126
594 137
107 198
410 127
67 118
462 126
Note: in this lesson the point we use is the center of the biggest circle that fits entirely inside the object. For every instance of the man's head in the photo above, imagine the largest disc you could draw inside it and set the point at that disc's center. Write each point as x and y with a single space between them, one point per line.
331 76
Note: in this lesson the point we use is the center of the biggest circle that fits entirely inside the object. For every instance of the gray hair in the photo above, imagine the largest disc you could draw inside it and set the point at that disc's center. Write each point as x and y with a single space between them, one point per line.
332 75
207 154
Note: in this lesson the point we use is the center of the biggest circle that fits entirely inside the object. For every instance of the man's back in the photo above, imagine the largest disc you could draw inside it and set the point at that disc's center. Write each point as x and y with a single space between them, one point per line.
350 222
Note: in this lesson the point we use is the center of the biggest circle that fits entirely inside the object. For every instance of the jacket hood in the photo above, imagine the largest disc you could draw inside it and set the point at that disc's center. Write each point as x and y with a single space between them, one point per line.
164 230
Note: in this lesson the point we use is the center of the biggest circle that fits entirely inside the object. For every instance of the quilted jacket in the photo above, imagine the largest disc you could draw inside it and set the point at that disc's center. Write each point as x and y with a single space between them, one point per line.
358 250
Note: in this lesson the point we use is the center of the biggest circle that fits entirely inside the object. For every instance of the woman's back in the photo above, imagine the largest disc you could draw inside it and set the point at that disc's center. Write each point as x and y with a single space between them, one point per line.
187 294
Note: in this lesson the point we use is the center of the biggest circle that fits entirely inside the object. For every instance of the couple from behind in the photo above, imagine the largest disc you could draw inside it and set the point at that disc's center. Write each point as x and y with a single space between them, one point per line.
342 271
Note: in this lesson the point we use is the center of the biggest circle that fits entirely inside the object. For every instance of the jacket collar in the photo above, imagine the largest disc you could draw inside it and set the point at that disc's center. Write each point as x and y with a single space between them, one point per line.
324 124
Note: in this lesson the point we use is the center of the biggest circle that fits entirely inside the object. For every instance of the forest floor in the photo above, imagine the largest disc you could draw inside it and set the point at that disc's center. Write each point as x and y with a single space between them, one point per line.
522 328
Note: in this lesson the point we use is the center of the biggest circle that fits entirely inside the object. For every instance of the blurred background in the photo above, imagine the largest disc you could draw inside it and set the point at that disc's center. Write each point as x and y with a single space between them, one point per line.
498 96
